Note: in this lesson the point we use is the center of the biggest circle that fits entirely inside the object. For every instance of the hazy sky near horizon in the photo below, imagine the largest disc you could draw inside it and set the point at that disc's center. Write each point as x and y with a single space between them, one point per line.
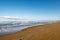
31 9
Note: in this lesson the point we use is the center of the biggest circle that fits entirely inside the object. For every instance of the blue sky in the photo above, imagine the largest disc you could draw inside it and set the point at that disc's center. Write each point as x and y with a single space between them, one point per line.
31 9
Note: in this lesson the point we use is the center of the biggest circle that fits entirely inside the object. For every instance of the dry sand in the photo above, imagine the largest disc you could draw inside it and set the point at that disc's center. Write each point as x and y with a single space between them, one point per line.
43 32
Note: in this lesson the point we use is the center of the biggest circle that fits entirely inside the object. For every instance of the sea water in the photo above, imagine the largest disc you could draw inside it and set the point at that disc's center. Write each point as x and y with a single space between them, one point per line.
9 29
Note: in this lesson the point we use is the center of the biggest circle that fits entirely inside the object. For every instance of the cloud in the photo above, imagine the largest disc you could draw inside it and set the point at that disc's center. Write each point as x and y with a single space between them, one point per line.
9 18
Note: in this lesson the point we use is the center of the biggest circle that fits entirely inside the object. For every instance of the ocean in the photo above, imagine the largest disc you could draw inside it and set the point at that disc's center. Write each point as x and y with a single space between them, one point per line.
13 28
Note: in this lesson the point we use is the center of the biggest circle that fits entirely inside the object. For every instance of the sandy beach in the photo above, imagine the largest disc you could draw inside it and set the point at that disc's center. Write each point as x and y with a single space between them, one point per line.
43 32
